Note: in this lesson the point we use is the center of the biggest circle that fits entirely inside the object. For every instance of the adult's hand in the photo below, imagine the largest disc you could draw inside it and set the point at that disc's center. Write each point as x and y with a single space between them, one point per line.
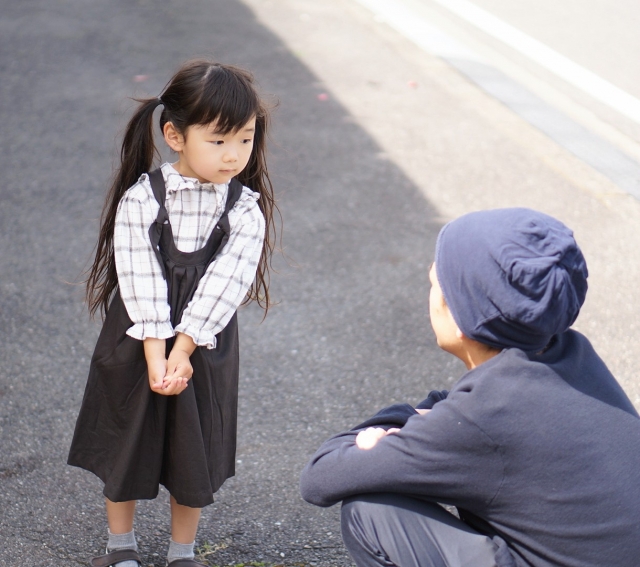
369 438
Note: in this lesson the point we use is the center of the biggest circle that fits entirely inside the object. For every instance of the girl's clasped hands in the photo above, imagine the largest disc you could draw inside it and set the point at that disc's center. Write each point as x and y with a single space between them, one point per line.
169 376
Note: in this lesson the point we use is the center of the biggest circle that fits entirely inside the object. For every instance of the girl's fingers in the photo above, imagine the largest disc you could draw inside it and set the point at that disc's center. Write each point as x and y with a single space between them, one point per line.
184 370
174 385
180 371
156 381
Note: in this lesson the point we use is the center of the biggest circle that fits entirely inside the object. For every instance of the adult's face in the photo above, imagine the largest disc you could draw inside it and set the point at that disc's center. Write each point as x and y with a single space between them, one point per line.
442 322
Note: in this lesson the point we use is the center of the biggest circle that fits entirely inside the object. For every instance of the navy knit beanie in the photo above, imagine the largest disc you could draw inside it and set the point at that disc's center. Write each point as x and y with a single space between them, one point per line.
511 277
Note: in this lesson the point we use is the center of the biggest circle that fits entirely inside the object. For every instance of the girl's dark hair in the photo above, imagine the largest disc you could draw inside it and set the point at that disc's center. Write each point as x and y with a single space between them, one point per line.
200 93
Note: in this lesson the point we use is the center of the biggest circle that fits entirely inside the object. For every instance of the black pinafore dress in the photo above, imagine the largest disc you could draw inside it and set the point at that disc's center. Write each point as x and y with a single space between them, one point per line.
134 439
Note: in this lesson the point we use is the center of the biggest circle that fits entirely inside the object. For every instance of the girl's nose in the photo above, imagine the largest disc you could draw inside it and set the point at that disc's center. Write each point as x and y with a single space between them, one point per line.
230 155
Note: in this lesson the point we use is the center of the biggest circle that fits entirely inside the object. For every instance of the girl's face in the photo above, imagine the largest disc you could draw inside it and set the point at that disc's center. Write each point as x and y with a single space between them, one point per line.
209 156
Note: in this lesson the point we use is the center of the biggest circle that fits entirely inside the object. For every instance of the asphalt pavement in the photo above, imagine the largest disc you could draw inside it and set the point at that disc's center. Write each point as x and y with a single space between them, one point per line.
375 145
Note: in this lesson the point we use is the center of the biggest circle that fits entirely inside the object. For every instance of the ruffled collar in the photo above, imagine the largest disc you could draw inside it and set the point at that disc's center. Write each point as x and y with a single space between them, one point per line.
174 181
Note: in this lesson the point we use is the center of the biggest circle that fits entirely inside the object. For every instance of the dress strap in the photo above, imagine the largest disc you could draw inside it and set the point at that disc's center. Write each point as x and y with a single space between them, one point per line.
233 195
159 192
155 230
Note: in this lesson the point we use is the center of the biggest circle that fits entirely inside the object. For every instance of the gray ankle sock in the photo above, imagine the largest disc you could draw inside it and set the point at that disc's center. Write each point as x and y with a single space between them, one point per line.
180 551
123 541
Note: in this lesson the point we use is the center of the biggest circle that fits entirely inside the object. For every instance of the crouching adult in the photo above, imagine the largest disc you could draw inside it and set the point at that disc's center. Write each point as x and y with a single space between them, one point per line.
536 445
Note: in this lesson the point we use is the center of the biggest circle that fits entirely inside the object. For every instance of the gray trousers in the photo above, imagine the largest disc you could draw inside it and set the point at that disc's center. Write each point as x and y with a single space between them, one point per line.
392 530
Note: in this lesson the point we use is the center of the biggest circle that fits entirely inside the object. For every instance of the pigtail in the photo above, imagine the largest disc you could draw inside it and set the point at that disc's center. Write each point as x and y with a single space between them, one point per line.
136 158
256 176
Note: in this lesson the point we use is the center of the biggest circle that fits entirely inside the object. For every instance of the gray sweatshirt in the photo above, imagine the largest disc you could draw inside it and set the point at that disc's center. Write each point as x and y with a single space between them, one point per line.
539 451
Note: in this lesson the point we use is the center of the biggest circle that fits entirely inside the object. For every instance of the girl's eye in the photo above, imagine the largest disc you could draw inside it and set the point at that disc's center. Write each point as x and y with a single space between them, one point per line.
217 142
247 141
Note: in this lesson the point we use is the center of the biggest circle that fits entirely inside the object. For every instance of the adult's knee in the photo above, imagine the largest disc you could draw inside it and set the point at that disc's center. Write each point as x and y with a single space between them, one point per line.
380 530
358 521
350 514
351 508
360 510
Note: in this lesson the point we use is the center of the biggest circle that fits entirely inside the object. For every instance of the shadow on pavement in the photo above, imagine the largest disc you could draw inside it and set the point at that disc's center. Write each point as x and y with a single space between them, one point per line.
349 335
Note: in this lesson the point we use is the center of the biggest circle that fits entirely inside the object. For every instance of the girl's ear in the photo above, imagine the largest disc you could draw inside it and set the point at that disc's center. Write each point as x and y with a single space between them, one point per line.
173 138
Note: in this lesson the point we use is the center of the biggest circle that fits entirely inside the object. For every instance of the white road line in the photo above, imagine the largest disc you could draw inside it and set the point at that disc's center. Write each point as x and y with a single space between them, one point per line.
417 30
598 153
412 26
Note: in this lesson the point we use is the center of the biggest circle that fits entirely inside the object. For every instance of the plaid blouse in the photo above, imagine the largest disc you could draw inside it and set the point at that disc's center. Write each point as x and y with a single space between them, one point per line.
194 210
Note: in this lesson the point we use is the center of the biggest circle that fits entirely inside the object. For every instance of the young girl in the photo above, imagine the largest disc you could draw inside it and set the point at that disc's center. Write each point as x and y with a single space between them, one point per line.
179 249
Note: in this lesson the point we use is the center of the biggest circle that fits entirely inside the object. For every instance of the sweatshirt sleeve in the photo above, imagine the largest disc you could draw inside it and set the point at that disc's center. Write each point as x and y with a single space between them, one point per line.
392 416
228 278
432 399
440 455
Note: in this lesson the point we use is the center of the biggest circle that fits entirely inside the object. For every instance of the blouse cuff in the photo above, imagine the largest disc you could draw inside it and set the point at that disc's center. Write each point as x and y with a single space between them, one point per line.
151 329
200 336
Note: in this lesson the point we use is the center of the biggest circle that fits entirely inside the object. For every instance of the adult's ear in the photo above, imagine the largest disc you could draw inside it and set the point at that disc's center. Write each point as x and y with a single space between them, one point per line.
173 138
